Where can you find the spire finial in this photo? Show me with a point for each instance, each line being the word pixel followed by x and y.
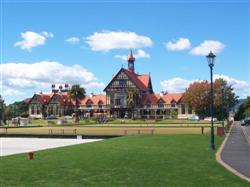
pixel 130 56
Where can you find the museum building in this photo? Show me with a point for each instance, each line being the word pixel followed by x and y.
pixel 128 95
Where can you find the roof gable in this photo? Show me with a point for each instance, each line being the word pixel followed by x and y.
pixel 156 98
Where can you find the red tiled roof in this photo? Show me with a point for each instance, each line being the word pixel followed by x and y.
pixel 144 79
pixel 43 98
pixel 95 99
pixel 140 80
pixel 155 98
pixel 27 101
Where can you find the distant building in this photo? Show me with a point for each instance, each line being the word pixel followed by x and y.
pixel 127 95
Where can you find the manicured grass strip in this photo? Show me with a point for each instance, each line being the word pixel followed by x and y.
pixel 105 130
pixel 144 160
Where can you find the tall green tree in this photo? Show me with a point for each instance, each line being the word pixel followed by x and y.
pixel 132 99
pixel 2 109
pixel 225 98
pixel 76 93
pixel 244 110
pixel 198 97
pixel 18 108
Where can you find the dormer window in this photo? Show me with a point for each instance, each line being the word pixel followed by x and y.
pixel 89 104
pixel 160 104
pixel 173 104
pixel 100 103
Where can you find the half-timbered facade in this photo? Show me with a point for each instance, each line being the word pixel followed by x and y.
pixel 128 94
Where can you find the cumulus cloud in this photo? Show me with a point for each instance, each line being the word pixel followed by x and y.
pixel 41 75
pixel 108 40
pixel 206 46
pixel 73 40
pixel 175 84
pixel 179 45
pixel 32 39
pixel 139 54
pixel 241 87
pixel 11 92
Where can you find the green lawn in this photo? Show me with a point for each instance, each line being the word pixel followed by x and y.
pixel 144 160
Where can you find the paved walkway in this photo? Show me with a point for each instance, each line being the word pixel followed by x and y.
pixel 10 146
pixel 236 152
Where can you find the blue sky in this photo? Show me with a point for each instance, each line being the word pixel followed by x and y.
pixel 84 42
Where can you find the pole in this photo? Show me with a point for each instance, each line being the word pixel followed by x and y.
pixel 211 109
pixel 222 112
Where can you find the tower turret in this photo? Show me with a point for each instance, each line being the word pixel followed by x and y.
pixel 131 61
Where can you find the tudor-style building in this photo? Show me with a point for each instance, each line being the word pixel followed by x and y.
pixel 149 104
pixel 56 104
pixel 128 94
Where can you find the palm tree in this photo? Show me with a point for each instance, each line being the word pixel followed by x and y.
pixel 132 99
pixel 76 93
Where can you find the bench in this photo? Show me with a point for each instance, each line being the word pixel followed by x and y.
pixel 139 131
pixel 62 131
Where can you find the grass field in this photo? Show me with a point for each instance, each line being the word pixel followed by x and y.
pixel 144 160
pixel 105 130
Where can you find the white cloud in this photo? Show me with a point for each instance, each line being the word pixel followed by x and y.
pixel 206 46
pixel 72 40
pixel 139 54
pixel 180 44
pixel 175 84
pixel 241 87
pixel 11 92
pixel 108 40
pixel 32 39
pixel 41 75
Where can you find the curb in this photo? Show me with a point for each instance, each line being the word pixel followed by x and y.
pixel 225 165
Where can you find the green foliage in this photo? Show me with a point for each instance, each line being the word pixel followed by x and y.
pixel 174 114
pixel 19 108
pixel 198 97
pixel 132 99
pixel 76 93
pixel 244 110
pixel 144 160
pixel 2 110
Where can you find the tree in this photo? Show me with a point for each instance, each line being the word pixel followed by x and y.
pixel 197 96
pixel 173 114
pixel 244 110
pixel 18 108
pixel 132 99
pixel 76 93
pixel 2 108
pixel 224 100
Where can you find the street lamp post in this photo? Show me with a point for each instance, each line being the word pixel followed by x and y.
pixel 210 60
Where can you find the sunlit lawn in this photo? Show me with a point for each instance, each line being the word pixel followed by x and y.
pixel 142 160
